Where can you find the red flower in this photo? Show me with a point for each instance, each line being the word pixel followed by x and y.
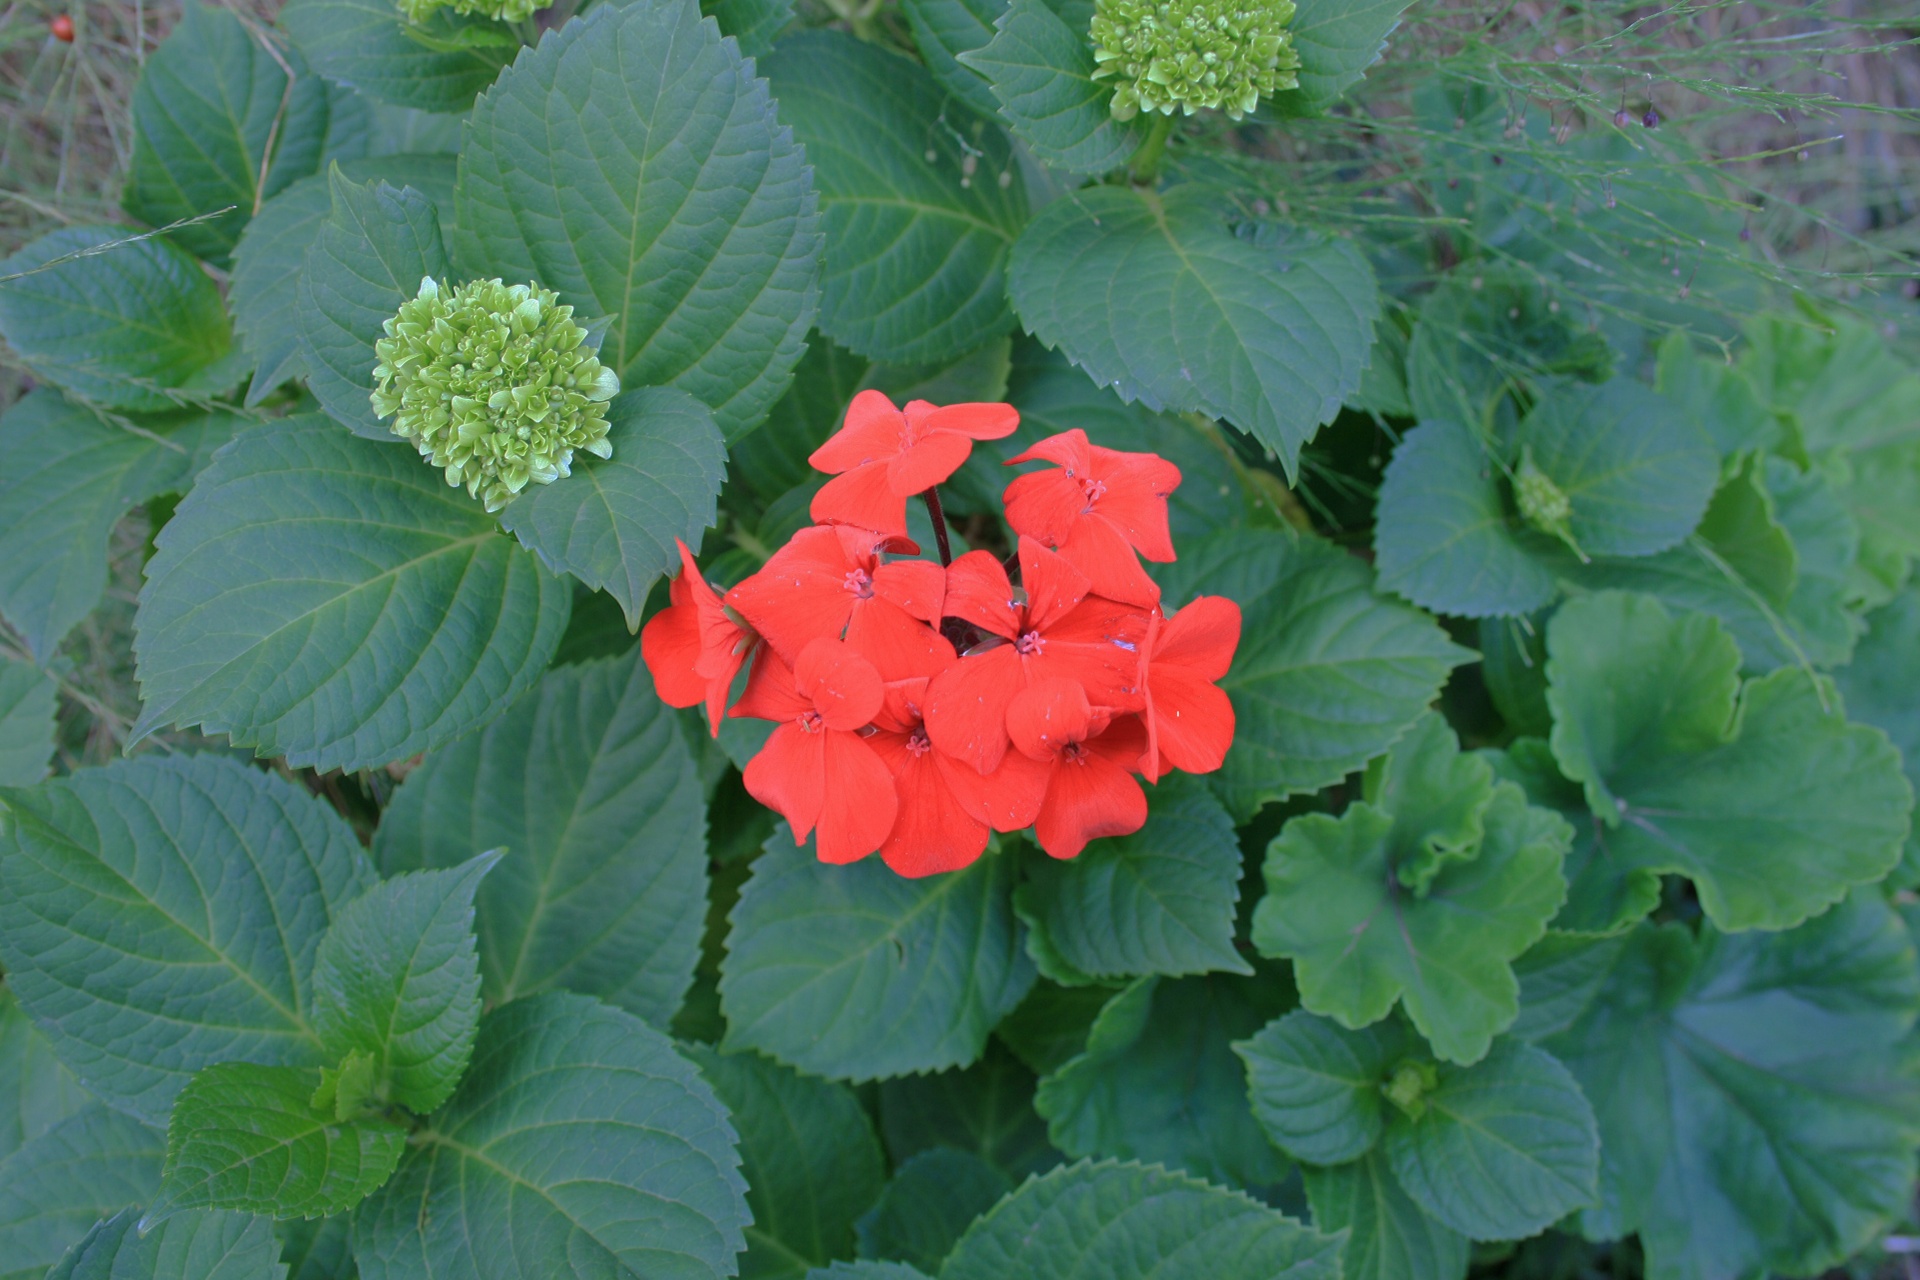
pixel 816 769
pixel 1189 718
pixel 880 457
pixel 946 809
pixel 1090 758
pixel 828 580
pixel 1097 509
pixel 1057 629
pixel 695 646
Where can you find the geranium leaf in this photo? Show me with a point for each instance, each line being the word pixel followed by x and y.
pixel 858 974
pixel 222 880
pixel 1880 690
pixel 413 619
pixel 366 44
pixel 1158 901
pixel 1315 1086
pixel 1787 1043
pixel 945 29
pixel 1559 977
pixel 367 258
pixel 1336 40
pixel 1158 1081
pixel 1389 1237
pixel 1129 1222
pixel 1271 337
pixel 206 108
pixel 27 697
pixel 588 785
pixel 612 524
pixel 928 1205
pixel 1501 1149
pixel 985 1110
pixel 89 1166
pixel 578 1142
pixel 1041 73
pixel 140 326
pixel 809 1155
pixel 196 1245
pixel 1720 398
pixel 634 164
pixel 250 1138
pixel 1767 799
pixel 922 201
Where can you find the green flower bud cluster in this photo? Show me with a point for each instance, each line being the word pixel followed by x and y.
pixel 418 11
pixel 1193 54
pixel 1543 504
pixel 494 383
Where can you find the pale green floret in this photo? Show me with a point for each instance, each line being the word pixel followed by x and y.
pixel 1193 55
pixel 494 383
pixel 418 11
pixel 1543 504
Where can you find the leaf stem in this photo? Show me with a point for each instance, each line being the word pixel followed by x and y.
pixel 939 517
pixel 1146 161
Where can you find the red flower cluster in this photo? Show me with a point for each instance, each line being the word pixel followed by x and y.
pixel 921 706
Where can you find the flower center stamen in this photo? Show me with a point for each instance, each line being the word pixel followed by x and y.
pixel 859 583
pixel 1030 644
pixel 809 721
pixel 918 742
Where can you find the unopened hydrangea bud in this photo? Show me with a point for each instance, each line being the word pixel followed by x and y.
pixel 494 383
pixel 418 11
pixel 1407 1088
pixel 1193 54
pixel 1543 504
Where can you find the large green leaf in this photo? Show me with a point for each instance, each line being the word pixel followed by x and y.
pixel 89 1166
pixel 588 785
pixel 1559 977
pixel 397 980
pixel 210 103
pixel 580 1143
pixel 366 258
pixel 159 915
pixel 1881 690
pixel 754 24
pixel 317 1248
pixel 250 1138
pixel 922 200
pixel 985 1110
pixel 1131 1222
pixel 1603 896
pixel 1501 1149
pixel 1389 1237
pixel 27 697
pixel 1315 1086
pixel 1336 40
pixel 366 44
pixel 196 1245
pixel 1762 794
pixel 1270 336
pixel 36 1092
pixel 1158 901
pixel 411 620
pixel 945 29
pixel 1159 1082
pixel 856 973
pixel 1757 1094
pixel 810 1158
pixel 1041 72
pixel 137 326
pixel 633 163
pixel 613 522
pixel 927 1206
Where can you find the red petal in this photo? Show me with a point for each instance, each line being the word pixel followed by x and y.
pixel 928 462
pixel 967 707
pixel 1069 449
pixel 770 694
pixel 1137 486
pixel 933 831
pixel 839 684
pixel 1053 586
pixel 1201 637
pixel 858 804
pixel 1192 719
pixel 918 586
pixel 1045 505
pixel 670 645
pixel 1098 644
pixel 873 430
pixel 789 776
pixel 898 646
pixel 1087 799
pixel 802 594
pixel 1008 799
pixel 863 497
pixel 1098 548
pixel 1047 715
pixel 1120 742
pixel 979 591
pixel 976 421
pixel 905 706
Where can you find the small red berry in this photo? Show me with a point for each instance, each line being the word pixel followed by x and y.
pixel 62 27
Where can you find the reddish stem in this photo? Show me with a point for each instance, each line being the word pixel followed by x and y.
pixel 932 498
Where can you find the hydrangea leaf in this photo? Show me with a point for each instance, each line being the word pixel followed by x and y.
pixel 1271 337
pixel 1763 795
pixel 411 622
pixel 809 1155
pixel 863 1269
pixel 1697 1054
pixel 209 104
pixel 89 1166
pixel 1485 328
pixel 945 29
pixel 1158 901
pixel 317 1248
pixel 928 1204
pixel 1041 73
pixel 580 1141
pixel 985 1110
pixel 1360 941
pixel 365 44
pixel 588 785
pixel 1336 40
pixel 771 459
pixel 1315 1086
pixel 223 879
pixel 753 24
pixel 613 522
pixel 1880 690
pixel 633 163
pixel 27 697
pixel 1501 1149
pixel 1130 1222
pixel 141 327
pixel 36 1092
pixel 1389 1237
pixel 1159 1082
pixel 1559 977
pixel 367 258
pixel 250 1138
pixel 397 978
pixel 196 1245
pixel 858 974
pixel 916 259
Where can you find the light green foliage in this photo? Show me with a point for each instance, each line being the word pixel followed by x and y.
pixel 1043 76
pixel 366 43
pixel 420 11
pixel 1193 55
pixel 89 1166
pixel 1389 1237
pixel 196 1245
pixel 927 1205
